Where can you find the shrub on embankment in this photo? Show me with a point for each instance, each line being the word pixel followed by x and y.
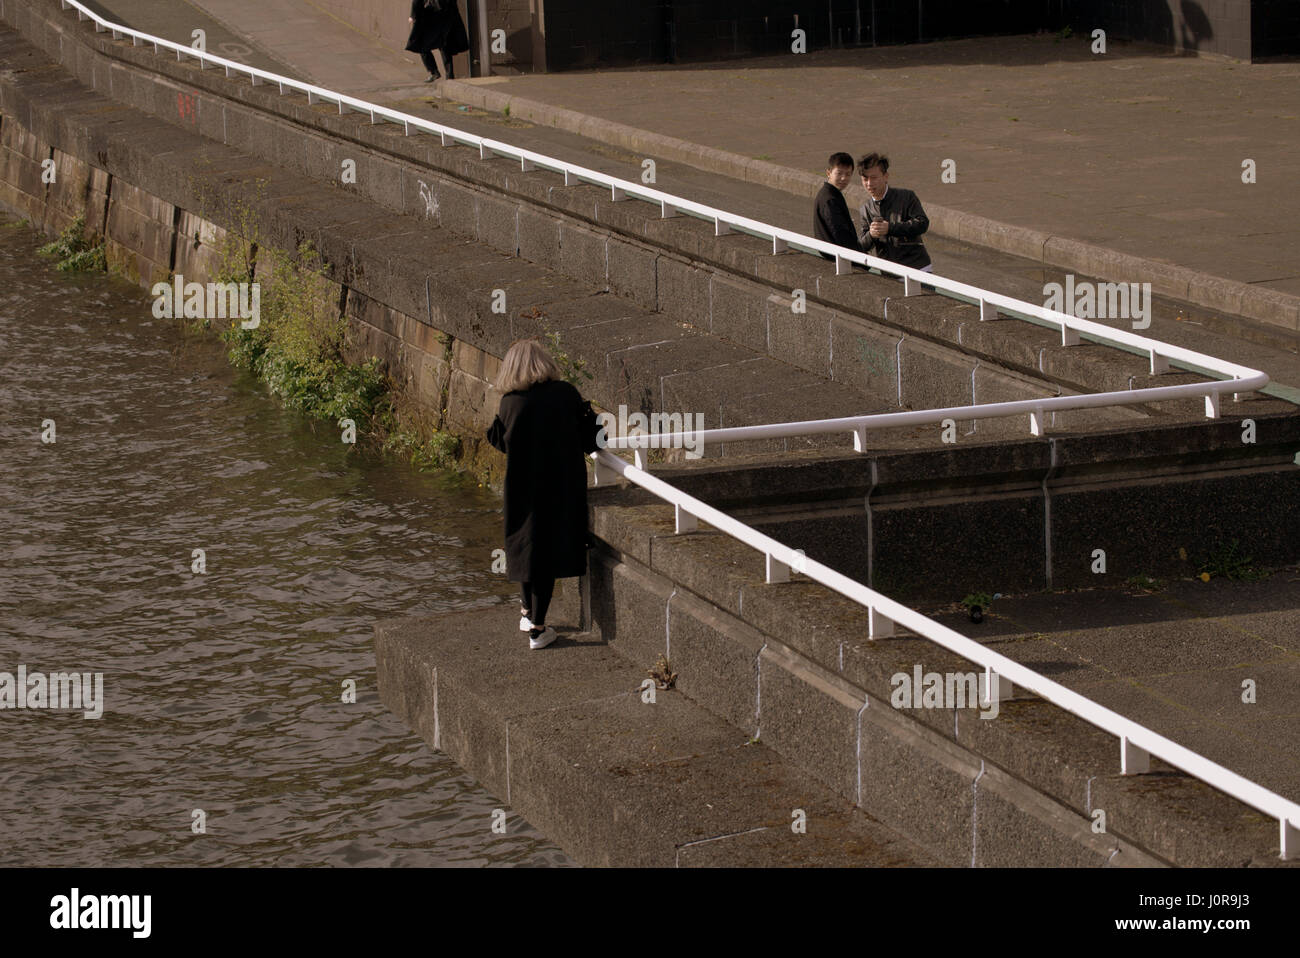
pixel 297 348
pixel 74 249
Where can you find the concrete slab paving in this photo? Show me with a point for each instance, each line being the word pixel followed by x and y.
pixel 614 778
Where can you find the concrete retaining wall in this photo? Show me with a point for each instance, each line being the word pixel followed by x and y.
pixel 148 239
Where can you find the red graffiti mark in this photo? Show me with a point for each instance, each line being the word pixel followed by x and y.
pixel 187 107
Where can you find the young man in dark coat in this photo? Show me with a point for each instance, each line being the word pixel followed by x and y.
pixel 543 426
pixel 892 217
pixel 831 219
pixel 436 25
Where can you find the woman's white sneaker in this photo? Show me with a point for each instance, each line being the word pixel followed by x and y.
pixel 525 625
pixel 540 640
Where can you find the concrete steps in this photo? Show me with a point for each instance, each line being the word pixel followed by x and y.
pixel 791 664
pixel 565 737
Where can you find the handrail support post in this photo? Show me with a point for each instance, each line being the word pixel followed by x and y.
pixel 879 626
pixel 995 688
pixel 684 521
pixel 604 475
pixel 777 571
pixel 1133 760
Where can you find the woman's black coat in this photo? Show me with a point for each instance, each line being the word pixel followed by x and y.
pixel 544 430
pixel 437 29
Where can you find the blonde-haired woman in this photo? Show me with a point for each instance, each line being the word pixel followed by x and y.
pixel 543 426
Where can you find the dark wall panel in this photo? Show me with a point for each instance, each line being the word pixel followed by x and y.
pixel 1275 28
pixel 593 33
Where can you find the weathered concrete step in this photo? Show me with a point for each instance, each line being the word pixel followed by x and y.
pixel 792 662
pixel 565 735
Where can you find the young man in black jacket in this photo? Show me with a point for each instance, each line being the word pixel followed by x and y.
pixel 892 217
pixel 831 219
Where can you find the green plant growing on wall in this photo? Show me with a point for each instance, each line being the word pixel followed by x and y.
pixel 441 450
pixel 1144 583
pixel 977 603
pixel 1226 560
pixel 74 250
pixel 297 349
pixel 573 370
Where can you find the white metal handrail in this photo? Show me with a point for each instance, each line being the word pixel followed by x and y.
pixel 1137 743
pixel 858 426
pixel 1238 379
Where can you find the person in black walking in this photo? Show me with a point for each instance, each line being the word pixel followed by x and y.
pixel 544 426
pixel 436 25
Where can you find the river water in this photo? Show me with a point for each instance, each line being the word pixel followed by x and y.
pixel 224 739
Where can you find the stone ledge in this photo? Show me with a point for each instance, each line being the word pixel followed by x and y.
pixel 615 781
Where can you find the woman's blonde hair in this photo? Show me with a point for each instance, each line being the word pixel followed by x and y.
pixel 525 364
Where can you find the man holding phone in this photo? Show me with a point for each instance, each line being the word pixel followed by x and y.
pixel 892 217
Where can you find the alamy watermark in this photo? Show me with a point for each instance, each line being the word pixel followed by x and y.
pixel 179 299
pixel 77 911
pixel 682 427
pixel 946 690
pixel 1087 300
pixel 58 690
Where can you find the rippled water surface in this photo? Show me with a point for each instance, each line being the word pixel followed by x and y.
pixel 223 690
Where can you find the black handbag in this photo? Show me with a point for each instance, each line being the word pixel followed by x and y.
pixel 589 427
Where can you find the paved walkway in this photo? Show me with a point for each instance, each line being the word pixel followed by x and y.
pixel 1137 151
pixel 177 21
